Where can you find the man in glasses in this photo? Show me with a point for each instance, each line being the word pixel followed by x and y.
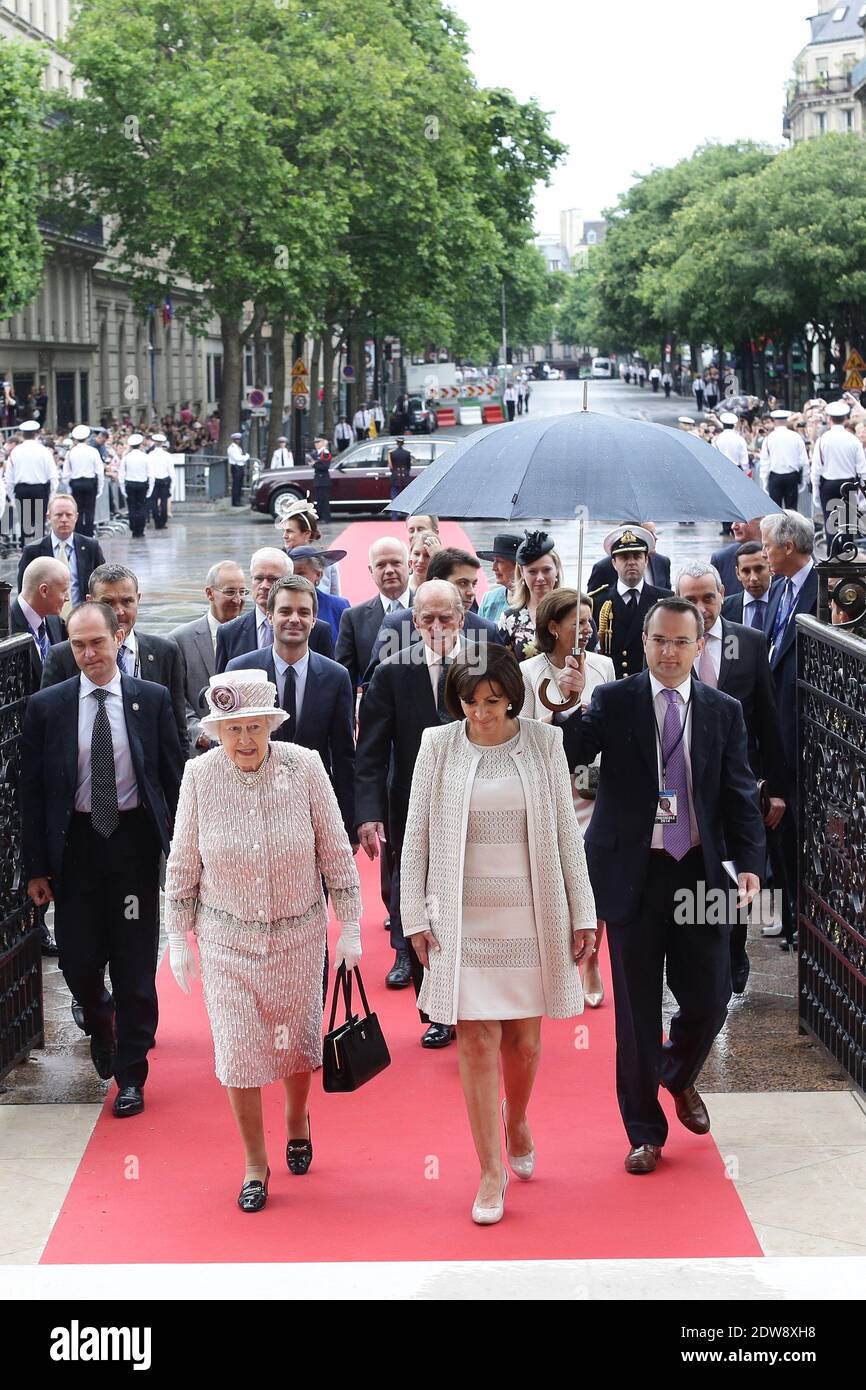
pixel 226 591
pixel 252 630
pixel 676 802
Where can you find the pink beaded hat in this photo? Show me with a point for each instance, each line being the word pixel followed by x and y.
pixel 241 695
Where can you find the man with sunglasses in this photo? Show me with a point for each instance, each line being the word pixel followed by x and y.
pixel 226 592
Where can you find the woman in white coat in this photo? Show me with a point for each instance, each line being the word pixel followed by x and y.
pixel 496 899
pixel 558 635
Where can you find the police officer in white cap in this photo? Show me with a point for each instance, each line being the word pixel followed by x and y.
pixel 731 443
pixel 136 483
pixel 837 457
pixel 31 477
pixel 160 468
pixel 84 475
pixel 237 463
pixel 784 462
pixel 282 457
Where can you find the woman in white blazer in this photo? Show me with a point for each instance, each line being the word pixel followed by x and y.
pixel 496 899
pixel 557 635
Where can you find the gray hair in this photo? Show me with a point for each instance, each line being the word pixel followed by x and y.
pixel 42 570
pixel 110 574
pixel 696 569
pixel 214 573
pixel 277 556
pixel 792 526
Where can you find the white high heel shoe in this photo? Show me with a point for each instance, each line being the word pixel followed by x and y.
pixel 488 1216
pixel 523 1166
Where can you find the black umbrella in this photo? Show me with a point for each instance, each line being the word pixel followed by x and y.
pixel 604 467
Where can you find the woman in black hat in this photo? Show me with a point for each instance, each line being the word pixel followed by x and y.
pixel 503 557
pixel 539 572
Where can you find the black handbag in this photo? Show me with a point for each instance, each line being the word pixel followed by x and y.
pixel 356 1051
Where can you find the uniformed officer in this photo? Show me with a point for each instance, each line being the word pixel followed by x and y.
pixel 84 473
pixel 362 420
pixel 31 477
pixel 322 458
pixel 237 463
pixel 687 423
pixel 343 435
pixel 837 457
pixel 282 457
pixel 731 443
pixel 160 467
pixel 136 483
pixel 784 462
pixel 619 609
pixel 400 463
pixel 378 415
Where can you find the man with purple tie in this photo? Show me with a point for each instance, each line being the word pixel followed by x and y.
pixel 676 801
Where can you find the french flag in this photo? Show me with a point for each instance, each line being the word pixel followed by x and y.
pixel 167 311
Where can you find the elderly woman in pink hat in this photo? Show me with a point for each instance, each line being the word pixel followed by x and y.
pixel 257 829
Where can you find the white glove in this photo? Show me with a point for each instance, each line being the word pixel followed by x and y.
pixel 348 950
pixel 181 958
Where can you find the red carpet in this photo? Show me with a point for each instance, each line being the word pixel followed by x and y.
pixel 394 1172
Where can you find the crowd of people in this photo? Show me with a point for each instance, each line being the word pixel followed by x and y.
pixel 531 771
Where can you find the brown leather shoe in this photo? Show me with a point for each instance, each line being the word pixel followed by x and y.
pixel 691 1111
pixel 643 1158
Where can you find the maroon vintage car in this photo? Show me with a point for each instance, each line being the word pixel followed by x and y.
pixel 360 476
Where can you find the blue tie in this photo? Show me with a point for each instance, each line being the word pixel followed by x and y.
pixel 676 838
pixel 42 641
pixel 783 612
pixel 757 614
pixel 121 659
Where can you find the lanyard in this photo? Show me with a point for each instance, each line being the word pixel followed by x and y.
pixel 685 721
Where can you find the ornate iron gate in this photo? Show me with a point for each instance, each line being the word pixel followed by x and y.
pixel 21 1017
pixel 831 684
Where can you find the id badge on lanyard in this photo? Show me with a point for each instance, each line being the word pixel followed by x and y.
pixel 666 807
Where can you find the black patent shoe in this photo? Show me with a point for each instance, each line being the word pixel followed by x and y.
pixel 438 1035
pixel 299 1153
pixel 78 1015
pixel 103 1054
pixel 129 1101
pixel 254 1194
pixel 740 968
pixel 400 974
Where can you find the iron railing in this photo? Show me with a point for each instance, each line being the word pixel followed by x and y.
pixel 831 695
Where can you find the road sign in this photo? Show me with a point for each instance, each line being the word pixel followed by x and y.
pixel 854 381
pixel 301 401
pixel 299 369
pixel 299 386
pixel 348 372
pixel 855 363
pixel 257 399
pixel 258 413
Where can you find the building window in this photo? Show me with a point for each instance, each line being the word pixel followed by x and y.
pixel 849 119
pixel 553 265
pixel 839 13
pixel 821 122
pixel 591 238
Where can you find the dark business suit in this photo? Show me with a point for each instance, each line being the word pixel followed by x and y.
pixel 725 561
pixel 55 630
pixel 159 660
pixel 625 649
pixel 193 641
pixel 106 890
pixel 241 636
pixel 783 665
pixel 398 629
pixel 359 628
pixel 326 723
pixel 635 888
pixel 734 606
pixel 603 573
pixel 88 556
pixel 396 709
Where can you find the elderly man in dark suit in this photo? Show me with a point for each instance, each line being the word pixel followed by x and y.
pixel 359 625
pixel 196 642
pixel 140 655
pixel 751 605
pixel 736 659
pixel 789 544
pixel 658 570
pixel 405 696
pixel 80 554
pixel 315 691
pixel 658 870
pixel 36 611
pixel 252 631
pixel 725 559
pixel 101 770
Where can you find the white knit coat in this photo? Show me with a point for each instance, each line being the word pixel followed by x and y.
pixel 431 862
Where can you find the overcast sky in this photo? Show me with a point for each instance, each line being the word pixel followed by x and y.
pixel 632 84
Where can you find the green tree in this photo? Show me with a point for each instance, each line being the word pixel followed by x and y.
pixel 21 189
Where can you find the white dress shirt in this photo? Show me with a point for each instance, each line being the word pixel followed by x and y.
pixel 660 706
pixel 282 458
pixel 623 589
pixel 733 446
pixel 160 464
pixel 213 627
pixel 300 668
pixel 837 455
pixel 434 665
pixel 236 456
pixel 403 601
pixel 131 655
pixel 135 468
pixel 713 639
pixel 124 772
pixel 31 463
pixel 82 464
pixel 783 452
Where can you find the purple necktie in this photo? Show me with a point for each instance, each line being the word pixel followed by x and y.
pixel 677 838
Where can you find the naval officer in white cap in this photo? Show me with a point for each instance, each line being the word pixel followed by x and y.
pixel 731 443
pixel 837 457
pixel 84 475
pixel 137 484
pixel 160 468
pixel 784 462
pixel 31 478
pixel 237 462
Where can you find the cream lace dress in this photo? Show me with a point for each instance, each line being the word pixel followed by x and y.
pixel 500 963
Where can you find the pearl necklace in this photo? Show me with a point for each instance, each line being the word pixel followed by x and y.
pixel 251 779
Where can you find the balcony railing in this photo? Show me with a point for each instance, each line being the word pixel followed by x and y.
pixel 818 87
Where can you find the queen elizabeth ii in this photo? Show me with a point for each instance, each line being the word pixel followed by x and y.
pixel 257 828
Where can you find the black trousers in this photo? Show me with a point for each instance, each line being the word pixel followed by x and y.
pixel 510 407
pixel 699 400
pixel 323 501
pixel 32 499
pixel 784 489
pixel 159 502
pixel 831 499
pixel 136 502
pixel 238 470
pixel 84 492
pixel 107 913
pixel 696 957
